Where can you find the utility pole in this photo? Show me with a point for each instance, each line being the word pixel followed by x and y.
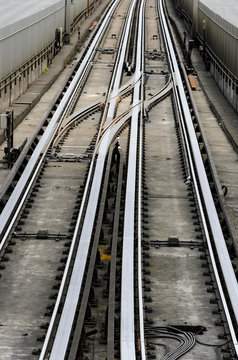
pixel 204 39
pixel 67 21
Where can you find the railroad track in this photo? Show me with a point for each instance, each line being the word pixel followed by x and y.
pixel 110 199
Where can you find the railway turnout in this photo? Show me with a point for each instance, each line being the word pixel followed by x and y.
pixel 117 194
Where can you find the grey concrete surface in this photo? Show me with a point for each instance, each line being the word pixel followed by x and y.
pixel 26 282
pixel 30 108
pixel 220 123
pixel 52 210
pixel 218 103
pixel 33 94
pixel 178 291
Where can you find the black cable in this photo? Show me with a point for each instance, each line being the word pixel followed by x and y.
pixel 215 345
pixel 186 340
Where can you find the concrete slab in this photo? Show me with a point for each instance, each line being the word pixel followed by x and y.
pixel 45 89
pixel 220 123
pixel 59 62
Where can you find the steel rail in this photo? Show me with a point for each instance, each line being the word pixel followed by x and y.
pixel 68 313
pixel 79 323
pixel 218 189
pixel 140 186
pixel 64 329
pixel 127 326
pixel 47 117
pixel 60 355
pixel 118 68
pixel 131 53
pixel 66 320
pixel 11 210
pixel 196 162
pixel 162 93
pixel 71 120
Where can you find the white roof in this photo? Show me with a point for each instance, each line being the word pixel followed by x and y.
pixel 224 12
pixel 14 10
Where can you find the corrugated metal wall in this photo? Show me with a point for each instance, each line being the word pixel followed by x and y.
pixel 221 36
pixel 78 6
pixel 23 39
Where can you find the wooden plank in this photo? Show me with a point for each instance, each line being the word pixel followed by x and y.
pixel 192 82
pixel 93 26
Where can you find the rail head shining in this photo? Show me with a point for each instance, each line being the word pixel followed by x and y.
pixel 14 204
pixel 127 326
pixel 195 158
pixel 64 329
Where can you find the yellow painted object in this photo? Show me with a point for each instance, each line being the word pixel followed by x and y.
pixel 192 82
